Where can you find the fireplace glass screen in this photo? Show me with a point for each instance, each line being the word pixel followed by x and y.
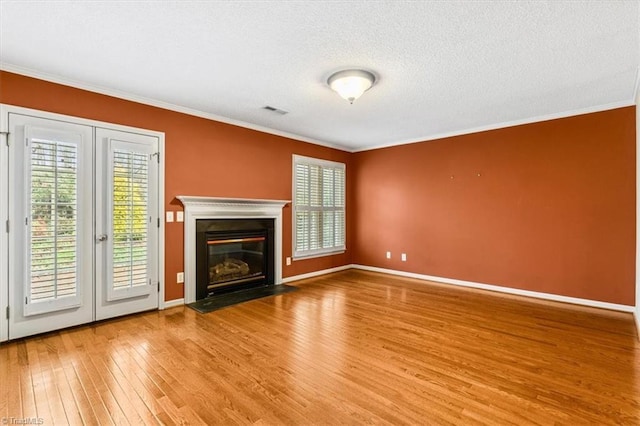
pixel 235 260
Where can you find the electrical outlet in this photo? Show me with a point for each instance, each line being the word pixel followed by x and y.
pixel 288 261
pixel 179 216
pixel 169 216
pixel 180 277
pixel 388 255
pixel 404 257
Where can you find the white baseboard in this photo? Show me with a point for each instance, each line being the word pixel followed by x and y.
pixel 316 273
pixel 515 291
pixel 173 303
pixel 636 315
pixel 470 284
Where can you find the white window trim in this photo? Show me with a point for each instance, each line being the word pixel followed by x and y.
pixel 309 254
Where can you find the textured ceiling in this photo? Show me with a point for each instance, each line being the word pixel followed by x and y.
pixel 443 67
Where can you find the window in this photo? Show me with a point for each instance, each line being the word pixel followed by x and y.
pixel 130 189
pixel 130 199
pixel 52 222
pixel 53 219
pixel 318 207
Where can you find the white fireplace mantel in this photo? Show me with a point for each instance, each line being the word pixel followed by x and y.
pixel 226 208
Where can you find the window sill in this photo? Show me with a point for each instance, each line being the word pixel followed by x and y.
pixel 315 255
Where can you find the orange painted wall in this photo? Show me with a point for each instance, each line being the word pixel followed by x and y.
pixel 553 209
pixel 547 207
pixel 203 157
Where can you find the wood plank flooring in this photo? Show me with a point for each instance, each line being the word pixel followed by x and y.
pixel 349 348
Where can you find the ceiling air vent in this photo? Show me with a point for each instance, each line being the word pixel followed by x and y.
pixel 276 110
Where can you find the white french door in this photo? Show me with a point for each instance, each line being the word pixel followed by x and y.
pixel 126 223
pixel 50 217
pixel 83 216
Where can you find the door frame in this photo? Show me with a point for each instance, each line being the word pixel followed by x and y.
pixel 4 218
pixel 5 179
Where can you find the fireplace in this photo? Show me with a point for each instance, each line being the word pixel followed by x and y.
pixel 215 208
pixel 233 254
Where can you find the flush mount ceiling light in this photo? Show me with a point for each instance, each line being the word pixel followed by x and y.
pixel 351 84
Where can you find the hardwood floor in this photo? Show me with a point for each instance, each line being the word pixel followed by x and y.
pixel 352 347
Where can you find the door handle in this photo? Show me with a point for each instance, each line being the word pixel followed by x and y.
pixel 102 237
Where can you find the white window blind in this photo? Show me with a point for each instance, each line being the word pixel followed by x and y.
pixel 319 206
pixel 52 224
pixel 53 220
pixel 130 218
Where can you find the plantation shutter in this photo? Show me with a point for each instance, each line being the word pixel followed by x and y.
pixel 53 256
pixel 319 207
pixel 129 205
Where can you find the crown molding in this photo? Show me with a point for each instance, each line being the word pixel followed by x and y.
pixel 161 104
pixel 214 117
pixel 504 124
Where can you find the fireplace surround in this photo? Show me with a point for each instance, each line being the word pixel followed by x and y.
pixel 213 208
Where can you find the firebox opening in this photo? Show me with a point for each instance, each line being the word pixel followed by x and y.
pixel 233 254
pixel 236 260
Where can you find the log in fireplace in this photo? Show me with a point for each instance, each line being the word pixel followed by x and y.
pixel 233 254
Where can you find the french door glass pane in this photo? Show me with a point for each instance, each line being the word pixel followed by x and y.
pixel 53 212
pixel 130 218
